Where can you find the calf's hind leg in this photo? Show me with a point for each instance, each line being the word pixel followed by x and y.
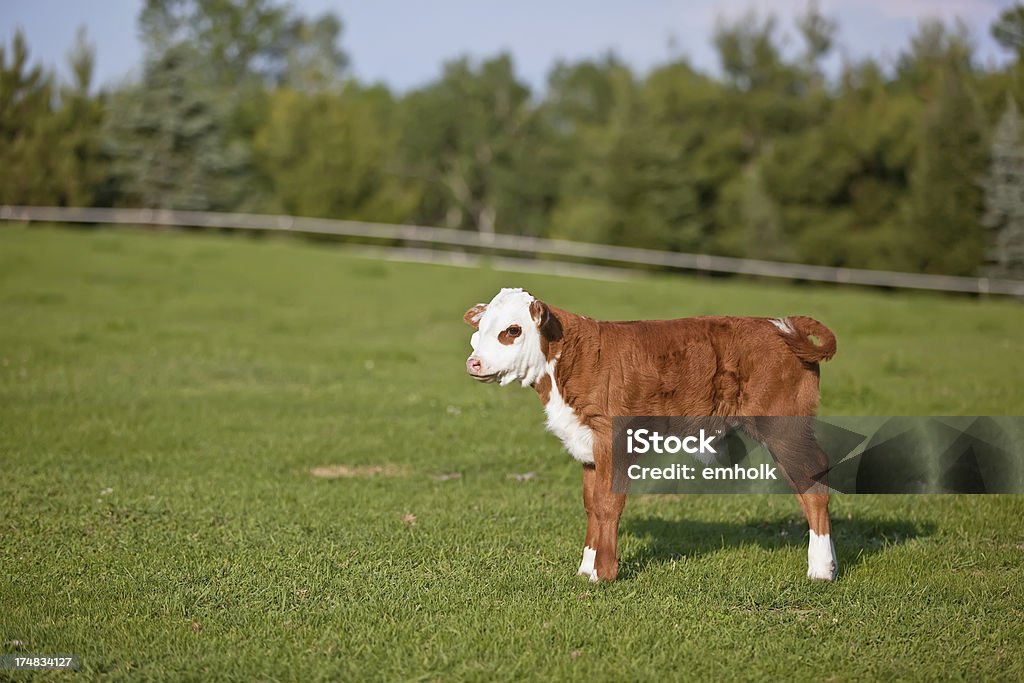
pixel 821 552
pixel 803 463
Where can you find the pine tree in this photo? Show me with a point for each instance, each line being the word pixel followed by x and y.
pixel 168 138
pixel 82 168
pixel 1004 197
pixel 944 232
pixel 26 115
pixel 49 153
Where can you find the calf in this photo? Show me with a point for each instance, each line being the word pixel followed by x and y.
pixel 586 372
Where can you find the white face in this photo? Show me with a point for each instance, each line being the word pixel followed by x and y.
pixel 507 343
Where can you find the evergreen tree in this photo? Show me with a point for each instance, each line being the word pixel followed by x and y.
pixel 944 232
pixel 49 148
pixel 168 138
pixel 26 117
pixel 1008 29
pixel 79 122
pixel 1004 196
pixel 818 33
pixel 249 39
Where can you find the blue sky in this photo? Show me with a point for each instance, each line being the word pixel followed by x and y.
pixel 404 42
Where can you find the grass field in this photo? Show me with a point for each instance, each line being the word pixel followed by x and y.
pixel 164 399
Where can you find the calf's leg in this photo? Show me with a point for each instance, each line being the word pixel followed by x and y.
pixel 803 463
pixel 608 508
pixel 590 541
pixel 604 508
pixel 821 552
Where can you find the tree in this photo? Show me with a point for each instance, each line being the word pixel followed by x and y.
pixel 934 49
pixel 79 120
pixel 26 95
pixel 944 232
pixel 182 137
pixel 767 93
pixel 237 40
pixel 169 141
pixel 1004 196
pixel 587 106
pixel 49 149
pixel 468 138
pixel 840 184
pixel 748 51
pixel 1008 29
pixel 335 155
pixel 818 33
pixel 675 151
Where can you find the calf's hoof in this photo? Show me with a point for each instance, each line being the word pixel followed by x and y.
pixel 587 568
pixel 821 558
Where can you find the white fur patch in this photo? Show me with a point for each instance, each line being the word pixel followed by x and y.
pixel 563 423
pixel 587 565
pixel 783 324
pixel 821 558
pixel 521 361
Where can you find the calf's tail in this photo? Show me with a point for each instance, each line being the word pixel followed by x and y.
pixel 797 331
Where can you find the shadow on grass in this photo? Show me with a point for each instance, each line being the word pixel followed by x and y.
pixel 665 540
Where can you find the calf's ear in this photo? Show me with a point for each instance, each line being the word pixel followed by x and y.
pixel 546 321
pixel 472 316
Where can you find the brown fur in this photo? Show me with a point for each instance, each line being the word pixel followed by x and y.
pixel 801 344
pixel 690 366
pixel 543 388
pixel 724 366
pixel 472 316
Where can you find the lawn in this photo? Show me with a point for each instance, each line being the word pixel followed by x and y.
pixel 166 400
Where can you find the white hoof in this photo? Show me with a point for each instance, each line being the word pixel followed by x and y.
pixel 821 558
pixel 587 565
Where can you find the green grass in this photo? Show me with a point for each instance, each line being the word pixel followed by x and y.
pixel 163 398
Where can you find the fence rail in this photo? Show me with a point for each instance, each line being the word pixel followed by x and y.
pixel 534 246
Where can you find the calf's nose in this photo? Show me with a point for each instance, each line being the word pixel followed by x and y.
pixel 473 365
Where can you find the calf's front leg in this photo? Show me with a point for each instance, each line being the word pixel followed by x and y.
pixel 590 541
pixel 604 508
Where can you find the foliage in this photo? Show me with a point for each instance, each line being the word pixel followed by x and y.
pixel 49 133
pixel 248 105
pixel 1004 196
pixel 943 208
pixel 333 154
pixel 469 137
pixel 168 138
pixel 242 39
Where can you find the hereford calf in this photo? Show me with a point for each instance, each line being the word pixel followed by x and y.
pixel 586 372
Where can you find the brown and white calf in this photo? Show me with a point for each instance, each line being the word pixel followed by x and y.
pixel 586 372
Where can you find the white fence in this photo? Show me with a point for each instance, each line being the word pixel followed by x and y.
pixel 523 245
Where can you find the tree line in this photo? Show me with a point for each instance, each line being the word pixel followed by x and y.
pixel 916 165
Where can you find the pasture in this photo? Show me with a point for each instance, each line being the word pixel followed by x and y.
pixel 231 458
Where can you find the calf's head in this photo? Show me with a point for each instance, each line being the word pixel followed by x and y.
pixel 511 339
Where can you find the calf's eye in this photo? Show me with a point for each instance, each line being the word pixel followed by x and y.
pixel 514 331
